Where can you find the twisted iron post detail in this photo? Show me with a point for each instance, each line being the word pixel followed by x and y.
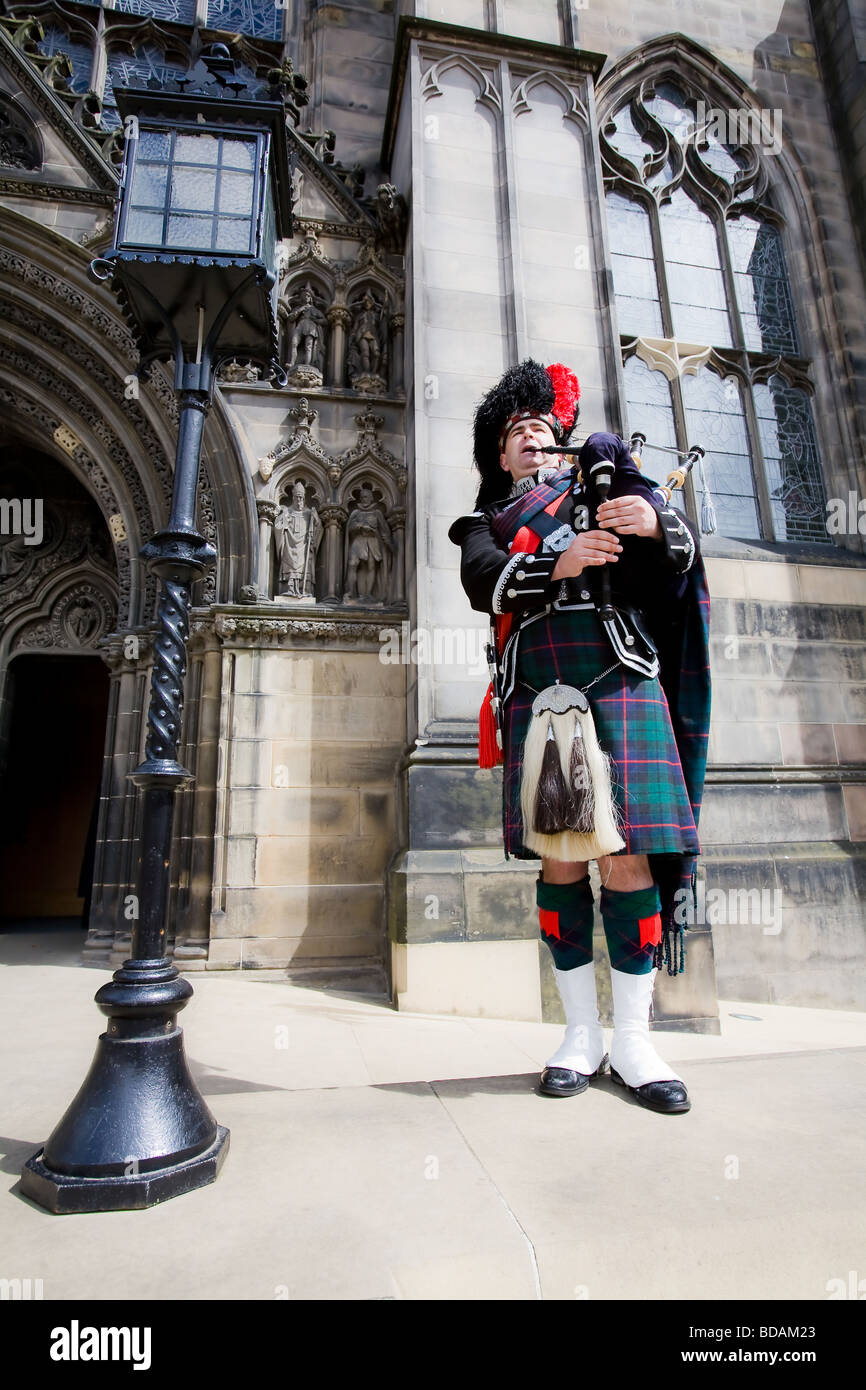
pixel 165 712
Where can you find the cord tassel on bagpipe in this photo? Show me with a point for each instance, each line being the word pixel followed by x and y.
pixel 489 736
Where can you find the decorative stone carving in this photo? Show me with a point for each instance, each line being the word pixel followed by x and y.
pixel 301 439
pixel 19 138
pixel 298 530
pixel 306 324
pixel 82 620
pixel 80 616
pixel 235 371
pixel 671 356
pixel 368 550
pixel 256 631
pixel 71 534
pixel 389 209
pixel 368 346
pixel 368 449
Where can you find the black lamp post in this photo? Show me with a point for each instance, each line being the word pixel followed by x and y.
pixel 205 195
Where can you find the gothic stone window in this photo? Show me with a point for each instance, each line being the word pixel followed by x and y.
pixel 73 33
pixel 706 314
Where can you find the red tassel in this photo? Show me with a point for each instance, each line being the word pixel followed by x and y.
pixel 489 752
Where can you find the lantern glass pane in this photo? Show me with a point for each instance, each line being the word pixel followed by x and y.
pixel 144 228
pixel 267 252
pixel 238 154
pixel 233 234
pixel 154 144
pixel 194 189
pixel 184 230
pixel 148 189
pixel 196 149
pixel 236 193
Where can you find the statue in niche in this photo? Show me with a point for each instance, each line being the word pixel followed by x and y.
pixel 368 546
pixel 307 342
pixel 368 345
pixel 298 530
pixel 82 619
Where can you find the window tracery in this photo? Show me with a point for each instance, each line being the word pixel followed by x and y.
pixel 700 281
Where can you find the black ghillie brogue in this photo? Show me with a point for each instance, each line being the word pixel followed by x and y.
pixel 667 1097
pixel 562 1081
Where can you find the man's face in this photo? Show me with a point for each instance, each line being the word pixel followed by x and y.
pixel 519 457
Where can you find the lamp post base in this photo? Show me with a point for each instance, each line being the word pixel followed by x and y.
pixel 62 1194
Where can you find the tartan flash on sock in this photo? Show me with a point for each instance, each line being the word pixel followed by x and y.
pixel 633 928
pixel 565 919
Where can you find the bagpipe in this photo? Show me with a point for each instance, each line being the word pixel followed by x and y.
pixel 566 798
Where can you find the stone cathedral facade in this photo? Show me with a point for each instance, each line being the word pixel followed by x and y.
pixel 670 199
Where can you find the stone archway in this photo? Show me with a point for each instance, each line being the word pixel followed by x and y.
pixel 72 401
pixel 58 599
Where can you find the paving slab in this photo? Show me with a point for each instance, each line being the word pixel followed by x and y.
pixel 382 1155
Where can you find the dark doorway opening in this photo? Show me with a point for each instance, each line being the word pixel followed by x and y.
pixel 49 785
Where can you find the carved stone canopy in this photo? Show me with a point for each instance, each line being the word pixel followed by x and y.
pixel 20 146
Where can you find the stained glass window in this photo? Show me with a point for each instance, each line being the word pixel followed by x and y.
pixel 623 134
pixel 262 18
pixel 762 286
pixel 718 158
pixel 695 282
pixel 634 268
pixel 691 267
pixel 57 40
pixel 178 11
pixel 791 455
pixel 650 410
pixel 123 71
pixel 715 419
pixel 670 108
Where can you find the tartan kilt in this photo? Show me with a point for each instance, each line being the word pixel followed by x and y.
pixel 633 724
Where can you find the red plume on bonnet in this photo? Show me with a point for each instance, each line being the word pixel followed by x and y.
pixel 566 393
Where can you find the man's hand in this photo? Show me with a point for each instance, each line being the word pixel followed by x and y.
pixel 587 548
pixel 630 516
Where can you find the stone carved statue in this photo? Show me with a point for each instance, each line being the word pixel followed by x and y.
pixel 235 371
pixel 368 548
pixel 307 342
pixel 82 619
pixel 368 345
pixel 389 209
pixel 298 530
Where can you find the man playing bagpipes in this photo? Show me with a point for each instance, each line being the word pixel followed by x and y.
pixel 598 707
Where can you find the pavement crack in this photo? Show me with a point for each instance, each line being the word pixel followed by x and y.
pixel 536 1277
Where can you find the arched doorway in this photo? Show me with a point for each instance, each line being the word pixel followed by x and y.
pixel 58 598
pixel 49 786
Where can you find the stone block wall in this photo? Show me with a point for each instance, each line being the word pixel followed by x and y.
pixel 784 822
pixel 310 738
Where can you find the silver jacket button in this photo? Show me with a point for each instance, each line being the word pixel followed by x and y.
pixel 512 593
pixel 584 594
pixel 520 575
